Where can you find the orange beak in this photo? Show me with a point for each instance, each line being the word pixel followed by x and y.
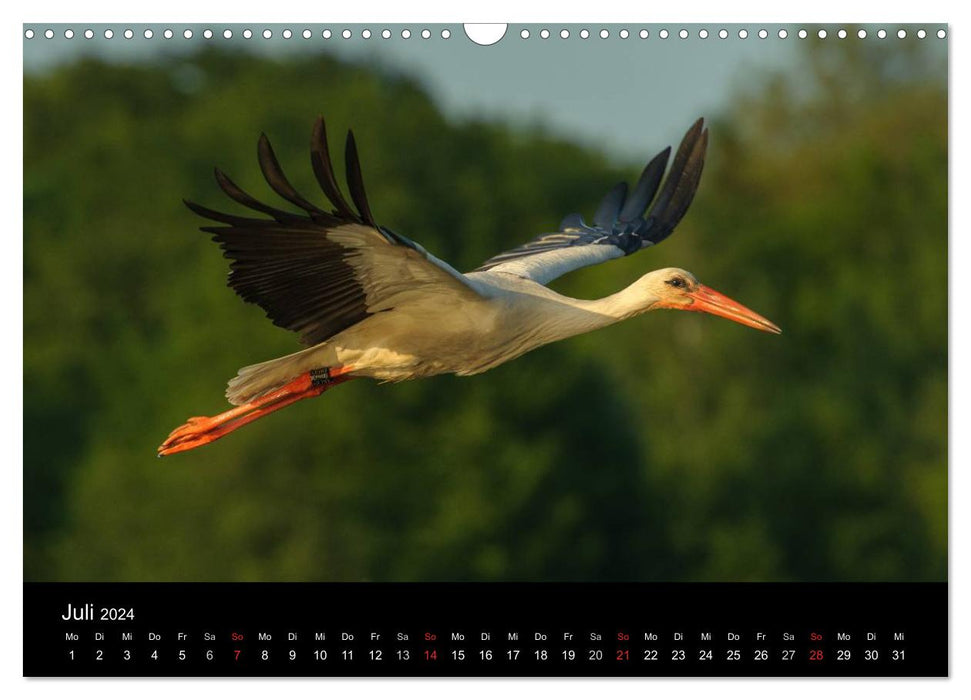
pixel 708 300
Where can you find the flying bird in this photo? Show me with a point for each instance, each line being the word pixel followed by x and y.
pixel 369 302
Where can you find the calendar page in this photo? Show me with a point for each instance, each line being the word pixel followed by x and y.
pixel 485 350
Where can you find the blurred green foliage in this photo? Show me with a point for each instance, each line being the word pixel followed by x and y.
pixel 670 447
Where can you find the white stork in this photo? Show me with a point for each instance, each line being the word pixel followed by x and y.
pixel 371 303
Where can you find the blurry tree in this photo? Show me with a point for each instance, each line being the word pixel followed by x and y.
pixel 672 447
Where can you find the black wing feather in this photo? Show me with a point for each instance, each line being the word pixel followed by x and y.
pixel 610 206
pixel 355 182
pixel 646 187
pixel 237 194
pixel 274 176
pixel 324 172
pixel 289 265
pixel 687 185
pixel 685 158
pixel 230 219
pixel 620 220
pixel 302 281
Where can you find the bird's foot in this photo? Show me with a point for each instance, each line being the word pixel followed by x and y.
pixel 202 430
pixel 187 439
pixel 193 424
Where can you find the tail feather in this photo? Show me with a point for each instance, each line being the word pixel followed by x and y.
pixel 254 381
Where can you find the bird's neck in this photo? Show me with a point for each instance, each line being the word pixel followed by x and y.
pixel 575 316
pixel 628 302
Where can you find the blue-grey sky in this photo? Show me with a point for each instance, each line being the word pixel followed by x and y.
pixel 623 95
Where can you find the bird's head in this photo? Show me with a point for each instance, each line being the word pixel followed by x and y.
pixel 674 288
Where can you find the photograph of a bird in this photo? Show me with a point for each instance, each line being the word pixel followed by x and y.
pixel 371 303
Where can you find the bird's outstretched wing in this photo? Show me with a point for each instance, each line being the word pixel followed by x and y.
pixel 319 272
pixel 620 226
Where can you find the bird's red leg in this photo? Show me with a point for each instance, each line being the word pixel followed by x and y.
pixel 199 424
pixel 202 430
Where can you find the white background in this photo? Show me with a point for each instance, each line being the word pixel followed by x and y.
pixel 700 11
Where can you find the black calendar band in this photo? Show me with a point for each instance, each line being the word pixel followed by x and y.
pixel 472 629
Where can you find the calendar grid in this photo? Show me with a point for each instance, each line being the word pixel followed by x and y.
pixel 486 629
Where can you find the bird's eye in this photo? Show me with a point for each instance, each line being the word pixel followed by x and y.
pixel 677 282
